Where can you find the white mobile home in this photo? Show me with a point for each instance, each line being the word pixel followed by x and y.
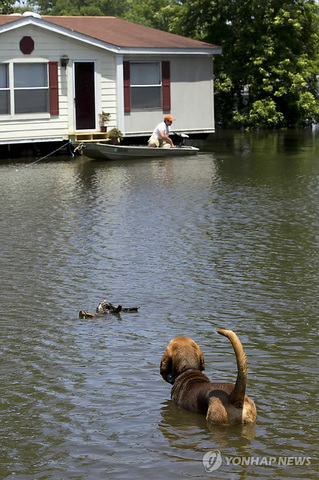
pixel 57 74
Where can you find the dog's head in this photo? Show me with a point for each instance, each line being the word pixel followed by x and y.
pixel 181 354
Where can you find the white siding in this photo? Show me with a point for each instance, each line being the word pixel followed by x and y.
pixel 192 93
pixel 50 47
pixel 191 89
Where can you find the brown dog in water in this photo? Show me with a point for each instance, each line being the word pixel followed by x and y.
pixel 222 403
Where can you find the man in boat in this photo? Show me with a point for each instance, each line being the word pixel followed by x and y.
pixel 160 136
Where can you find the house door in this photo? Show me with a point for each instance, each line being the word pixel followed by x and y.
pixel 84 95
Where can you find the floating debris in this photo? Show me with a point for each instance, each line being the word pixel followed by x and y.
pixel 105 308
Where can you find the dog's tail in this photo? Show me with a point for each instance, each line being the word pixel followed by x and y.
pixel 238 394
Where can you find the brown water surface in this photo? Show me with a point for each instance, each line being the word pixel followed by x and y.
pixel 225 239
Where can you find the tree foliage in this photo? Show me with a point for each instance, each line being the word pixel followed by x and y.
pixel 6 7
pixel 148 12
pixel 81 7
pixel 268 73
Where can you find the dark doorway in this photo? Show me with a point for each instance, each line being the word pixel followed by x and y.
pixel 84 95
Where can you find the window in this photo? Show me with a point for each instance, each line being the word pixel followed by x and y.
pixel 4 90
pixel 31 88
pixel 145 85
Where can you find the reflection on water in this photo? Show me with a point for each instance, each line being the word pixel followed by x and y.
pixel 225 239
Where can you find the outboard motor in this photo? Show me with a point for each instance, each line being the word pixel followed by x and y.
pixel 182 138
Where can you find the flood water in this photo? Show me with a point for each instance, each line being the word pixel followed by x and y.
pixel 228 238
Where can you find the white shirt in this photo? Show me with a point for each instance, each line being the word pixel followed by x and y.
pixel 161 127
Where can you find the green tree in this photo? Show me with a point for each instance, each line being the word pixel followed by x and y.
pixel 268 73
pixel 6 7
pixel 81 7
pixel 148 12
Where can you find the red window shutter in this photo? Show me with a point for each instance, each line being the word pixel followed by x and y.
pixel 166 86
pixel 127 87
pixel 54 88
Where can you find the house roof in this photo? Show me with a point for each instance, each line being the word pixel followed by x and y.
pixel 117 32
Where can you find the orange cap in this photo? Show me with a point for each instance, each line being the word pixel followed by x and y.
pixel 169 117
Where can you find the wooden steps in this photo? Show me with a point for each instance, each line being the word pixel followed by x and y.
pixel 88 137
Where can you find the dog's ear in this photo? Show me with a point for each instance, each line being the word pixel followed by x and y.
pixel 166 366
pixel 199 355
pixel 201 361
